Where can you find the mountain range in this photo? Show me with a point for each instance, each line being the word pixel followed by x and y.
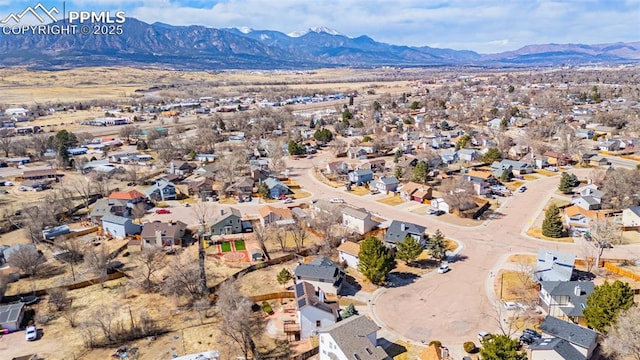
pixel 199 47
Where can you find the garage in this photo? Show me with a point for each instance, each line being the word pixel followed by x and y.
pixel 11 316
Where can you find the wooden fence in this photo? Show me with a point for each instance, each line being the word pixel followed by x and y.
pixel 273 296
pixel 621 271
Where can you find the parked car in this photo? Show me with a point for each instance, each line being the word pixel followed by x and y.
pixel 375 191
pixel 443 269
pixel 31 333
pixel 510 305
pixel 4 191
pixel 522 189
pixel 337 201
pixel 532 333
pixel 187 205
pixel 527 339
pixel 483 335
pixel 287 201
pixel 163 211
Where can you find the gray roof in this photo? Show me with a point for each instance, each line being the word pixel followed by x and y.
pixel 635 210
pixel 591 200
pixel 567 288
pixel 554 266
pixel 158 185
pixel 103 206
pixel 351 336
pixel 114 219
pixel 306 296
pixel 395 232
pixel 225 214
pixel 321 268
pixel 356 213
pixel 561 347
pixel 272 182
pixel 467 151
pixel 362 172
pixel 10 313
pixel 389 180
pixel 570 332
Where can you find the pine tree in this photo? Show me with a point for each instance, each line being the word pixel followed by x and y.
pixel 421 172
pixel 568 182
pixel 408 249
pixel 502 347
pixel 605 302
pixel 552 224
pixel 348 312
pixel 506 175
pixel 436 246
pixel 284 276
pixel 375 260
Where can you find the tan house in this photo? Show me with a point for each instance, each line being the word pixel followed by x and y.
pixel 271 215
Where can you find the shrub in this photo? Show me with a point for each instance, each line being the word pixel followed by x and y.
pixel 267 307
pixel 469 346
pixel 436 343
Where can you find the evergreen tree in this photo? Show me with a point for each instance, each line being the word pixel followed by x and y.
pixel 284 276
pixel 605 302
pixel 463 141
pixel 408 249
pixel 399 173
pixel 506 176
pixel 552 224
pixel 375 260
pixel 436 246
pixel 63 140
pixel 568 182
pixel 420 172
pixel 323 135
pixel 348 312
pixel 295 148
pixel 398 154
pixel 502 347
pixel 263 190
pixel 493 154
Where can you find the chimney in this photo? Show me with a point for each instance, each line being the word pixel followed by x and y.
pixel 221 212
pixel 577 290
pixel 548 258
pixel 403 227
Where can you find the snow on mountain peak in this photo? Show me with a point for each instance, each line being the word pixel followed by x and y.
pixel 245 29
pixel 316 29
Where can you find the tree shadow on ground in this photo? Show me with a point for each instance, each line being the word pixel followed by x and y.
pixel 456 258
pixel 579 275
pixel 424 264
pixel 350 286
pixel 392 349
pixel 396 279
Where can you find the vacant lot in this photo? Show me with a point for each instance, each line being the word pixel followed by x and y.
pixel 391 200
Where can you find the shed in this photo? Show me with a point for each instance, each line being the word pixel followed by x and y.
pixel 11 316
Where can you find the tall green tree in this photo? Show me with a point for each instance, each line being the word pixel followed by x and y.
pixel 64 140
pixel 493 154
pixel 263 190
pixel 568 182
pixel 323 135
pixel 605 302
pixel 408 249
pixel 349 311
pixel 295 148
pixel 436 246
pixel 552 224
pixel 506 175
pixel 414 105
pixel 420 172
pixel 501 347
pixel 464 141
pixel 375 260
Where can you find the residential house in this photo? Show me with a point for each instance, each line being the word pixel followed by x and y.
pixel 449 157
pixel 398 230
pixel 599 161
pixel 227 222
pixel 11 316
pixel 609 145
pixel 322 273
pixel 585 133
pixel 588 202
pixel 107 206
pixel 557 159
pixel 180 167
pixel 130 197
pixel 565 299
pixel 276 188
pixel 312 310
pixel 168 234
pixel 407 161
pixel 271 215
pixel 495 123
pixel 337 168
pixel 563 340
pixel 631 216
pixel 440 204
pixel 207 171
pixel 326 206
pixel 481 180
pixel 352 339
pixel 554 266
pixel 373 165
pixel 386 184
pixel 348 253
pixel 119 226
pixel 205 158
pixel 361 176
pixel 41 174
pixel 468 155
pixel 518 151
pixel 358 220
pixel 579 217
pixel 606 131
pixel 516 167
pixel 162 190
pixel 202 188
pixel 241 188
pixel 412 191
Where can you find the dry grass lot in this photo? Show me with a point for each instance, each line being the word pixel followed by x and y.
pixel 391 200
pixel 545 172
pixel 359 190
pixel 509 286
pixel 524 259
pixel 536 232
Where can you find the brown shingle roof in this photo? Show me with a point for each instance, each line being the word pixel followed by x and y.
pixel 349 247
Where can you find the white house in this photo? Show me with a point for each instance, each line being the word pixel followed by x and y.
pixel 11 316
pixel 313 313
pixel 119 226
pixel 355 338
pixel 348 254
pixel 564 341
pixel 631 216
pixel 358 220
pixel 440 204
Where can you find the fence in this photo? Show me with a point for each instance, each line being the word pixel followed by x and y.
pixel 621 271
pixel 307 354
pixel 273 296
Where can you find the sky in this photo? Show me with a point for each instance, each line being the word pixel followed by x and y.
pixel 484 26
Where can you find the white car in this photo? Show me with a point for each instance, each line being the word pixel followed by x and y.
pixel 510 305
pixel 288 201
pixel 443 269
pixel 31 333
pixel 337 201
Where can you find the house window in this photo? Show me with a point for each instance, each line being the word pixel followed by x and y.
pixel 318 323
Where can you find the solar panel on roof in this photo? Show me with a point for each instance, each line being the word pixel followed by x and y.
pixel 299 289
pixel 302 302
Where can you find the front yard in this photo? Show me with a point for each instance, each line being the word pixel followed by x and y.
pixel 391 200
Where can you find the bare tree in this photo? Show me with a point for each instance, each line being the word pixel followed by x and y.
pixel 71 314
pixel 458 193
pixel 97 259
pixel 325 221
pixel 239 322
pixel 28 259
pixel 36 218
pixel 72 252
pixel 6 142
pixel 138 211
pixel 202 306
pixel 183 278
pixel 84 188
pixel 620 188
pixel 280 235
pixel 58 298
pixel 262 235
pixel 40 143
pixel 604 233
pixel 150 260
pixel 299 234
pixel 201 211
pixel 507 323
pixel 623 338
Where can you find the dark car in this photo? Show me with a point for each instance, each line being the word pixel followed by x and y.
pixel 531 333
pixel 526 339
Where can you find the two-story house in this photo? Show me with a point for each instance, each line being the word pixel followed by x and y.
pixel 168 234
pixel 312 310
pixel 358 220
pixel 563 340
pixel 553 266
pixel 276 188
pixel 412 191
pixel 565 299
pixel 228 221
pixel 348 253
pixel 355 338
pixel 361 176
pixel 271 215
pixel 119 226
pixel 322 273
pixel 386 184
pixel 162 190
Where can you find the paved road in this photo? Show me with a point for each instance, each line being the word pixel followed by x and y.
pixel 453 307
